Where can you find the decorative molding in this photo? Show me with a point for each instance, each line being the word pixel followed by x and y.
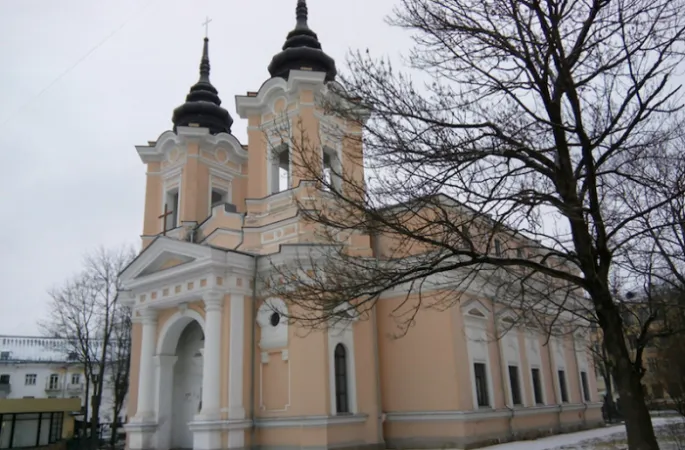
pixel 278 87
pixel 214 425
pixel 467 416
pixel 342 333
pixel 273 337
pixel 175 324
pixel 262 407
pixel 310 421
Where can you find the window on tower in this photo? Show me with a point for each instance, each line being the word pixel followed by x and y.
pixel 280 169
pixel 332 170
pixel 219 197
pixel 172 203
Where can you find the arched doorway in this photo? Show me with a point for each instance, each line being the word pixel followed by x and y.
pixel 186 392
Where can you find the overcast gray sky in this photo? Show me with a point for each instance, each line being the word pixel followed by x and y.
pixel 70 179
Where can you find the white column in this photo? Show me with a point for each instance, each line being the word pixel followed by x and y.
pixel 146 375
pixel 211 364
pixel 163 401
pixel 236 438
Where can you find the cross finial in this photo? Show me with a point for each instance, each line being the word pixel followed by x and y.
pixel 206 24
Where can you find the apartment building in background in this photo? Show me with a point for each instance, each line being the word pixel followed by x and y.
pixel 38 367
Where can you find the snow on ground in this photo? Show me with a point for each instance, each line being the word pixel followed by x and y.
pixel 670 431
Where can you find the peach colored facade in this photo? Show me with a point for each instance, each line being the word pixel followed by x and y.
pixel 213 367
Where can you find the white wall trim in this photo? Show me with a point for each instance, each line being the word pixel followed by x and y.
pixel 172 324
pixel 310 421
pixel 478 352
pixel 466 416
pixel 342 333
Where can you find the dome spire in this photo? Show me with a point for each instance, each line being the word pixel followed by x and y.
pixel 302 50
pixel 203 105
pixel 204 63
pixel 301 15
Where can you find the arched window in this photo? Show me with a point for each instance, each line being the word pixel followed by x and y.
pixel 342 404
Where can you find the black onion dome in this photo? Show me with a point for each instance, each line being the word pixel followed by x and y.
pixel 203 105
pixel 302 49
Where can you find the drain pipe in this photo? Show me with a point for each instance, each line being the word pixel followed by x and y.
pixel 253 430
pixel 501 376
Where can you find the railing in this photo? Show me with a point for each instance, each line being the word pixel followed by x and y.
pixel 75 387
pixel 53 385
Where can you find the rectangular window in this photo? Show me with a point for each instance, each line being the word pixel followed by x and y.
pixel 4 356
pixel 75 378
pixel 537 386
pixel 171 206
pixel 586 386
pixel 498 247
pixel 4 379
pixel 519 253
pixel 515 385
pixel 219 197
pixel 25 430
pixel 481 384
pixel 56 426
pixel 53 381
pixel 562 386
pixel 30 379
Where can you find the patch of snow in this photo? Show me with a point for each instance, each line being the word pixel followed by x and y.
pixel 588 439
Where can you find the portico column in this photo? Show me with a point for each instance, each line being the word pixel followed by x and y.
pixel 146 375
pixel 211 364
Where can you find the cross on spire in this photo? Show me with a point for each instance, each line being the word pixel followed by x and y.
pixel 206 24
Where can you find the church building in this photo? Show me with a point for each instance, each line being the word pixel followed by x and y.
pixel 214 365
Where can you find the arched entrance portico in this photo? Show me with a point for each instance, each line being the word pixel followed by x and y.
pixel 179 375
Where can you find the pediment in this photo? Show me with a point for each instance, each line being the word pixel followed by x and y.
pixel 164 254
pixel 166 260
pixel 475 309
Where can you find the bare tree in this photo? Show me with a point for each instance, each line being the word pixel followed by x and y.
pixel 85 312
pixel 120 364
pixel 526 161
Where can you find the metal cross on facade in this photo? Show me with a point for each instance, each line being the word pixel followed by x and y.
pixel 206 24
pixel 166 213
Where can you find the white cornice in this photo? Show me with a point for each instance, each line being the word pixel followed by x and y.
pixel 169 140
pixel 275 87
pixel 205 260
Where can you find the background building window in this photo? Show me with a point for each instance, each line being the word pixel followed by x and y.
pixel 498 247
pixel 53 381
pixel 30 379
pixel 342 405
pixel 481 384
pixel 515 385
pixel 537 386
pixel 75 378
pixel 562 386
pixel 4 356
pixel 586 387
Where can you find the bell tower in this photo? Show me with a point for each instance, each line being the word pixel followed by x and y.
pixel 289 134
pixel 196 166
